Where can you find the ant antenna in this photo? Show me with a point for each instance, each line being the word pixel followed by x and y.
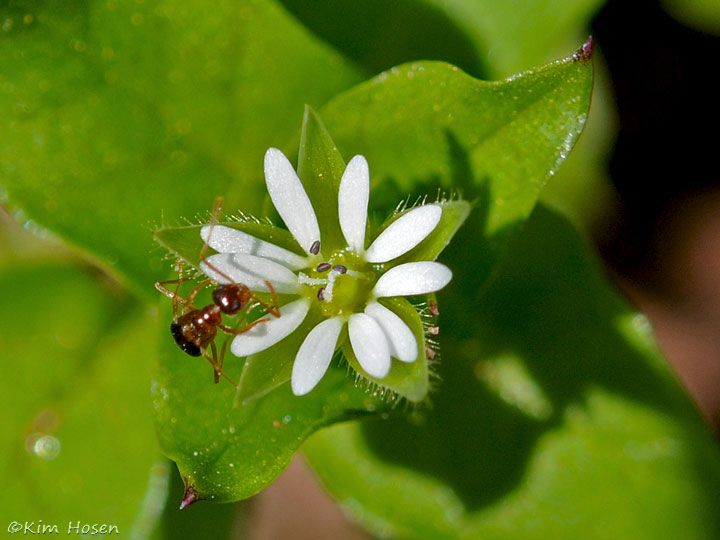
pixel 217 206
pixel 214 218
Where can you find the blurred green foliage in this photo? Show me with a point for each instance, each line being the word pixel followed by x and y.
pixel 122 114
pixel 75 420
pixel 701 14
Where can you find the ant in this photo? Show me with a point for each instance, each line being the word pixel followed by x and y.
pixel 195 329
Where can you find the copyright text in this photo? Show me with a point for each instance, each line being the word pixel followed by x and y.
pixel 73 527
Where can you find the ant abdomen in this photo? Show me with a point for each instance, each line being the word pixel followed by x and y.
pixel 231 298
pixel 185 345
pixel 194 331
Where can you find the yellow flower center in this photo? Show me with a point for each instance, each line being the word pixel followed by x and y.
pixel 341 286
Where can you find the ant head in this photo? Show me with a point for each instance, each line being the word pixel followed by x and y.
pixel 231 298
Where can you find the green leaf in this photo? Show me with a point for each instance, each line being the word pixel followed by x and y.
pixel 408 380
pixel 222 521
pixel 556 418
pixel 228 452
pixel 428 126
pixel 77 435
pixel 533 119
pixel 487 39
pixel 115 114
pixel 581 188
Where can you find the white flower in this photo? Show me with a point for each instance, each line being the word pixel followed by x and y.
pixel 343 284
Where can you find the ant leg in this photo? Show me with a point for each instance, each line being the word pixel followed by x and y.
pixel 220 363
pixel 217 270
pixel 160 286
pixel 222 352
pixel 176 298
pixel 196 290
pixel 236 331
pixel 212 360
pixel 216 368
pixel 275 308
pixel 217 365
pixel 175 295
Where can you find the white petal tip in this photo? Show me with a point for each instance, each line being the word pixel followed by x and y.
pixel 290 199
pixel 267 334
pixel 274 154
pixel 314 356
pixel 369 345
pixel 298 389
pixel 400 338
pixel 413 278
pixel 353 195
pixel 360 164
pixel 404 233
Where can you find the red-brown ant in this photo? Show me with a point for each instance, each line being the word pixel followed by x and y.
pixel 195 329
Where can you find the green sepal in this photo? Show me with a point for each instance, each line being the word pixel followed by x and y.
pixel 454 214
pixel 320 167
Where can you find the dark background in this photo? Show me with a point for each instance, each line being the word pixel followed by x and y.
pixel 663 239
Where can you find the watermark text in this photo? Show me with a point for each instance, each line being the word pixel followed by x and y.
pixel 72 528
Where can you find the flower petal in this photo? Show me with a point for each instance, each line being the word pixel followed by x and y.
pixel 404 233
pixel 413 278
pixel 290 200
pixel 369 345
pixel 267 334
pixel 353 196
pixel 250 270
pixel 314 356
pixel 403 344
pixel 228 240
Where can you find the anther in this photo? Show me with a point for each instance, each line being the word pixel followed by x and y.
pixel 323 267
pixel 433 308
pixel 315 248
pixel 321 294
pixel 340 268
pixel 433 330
